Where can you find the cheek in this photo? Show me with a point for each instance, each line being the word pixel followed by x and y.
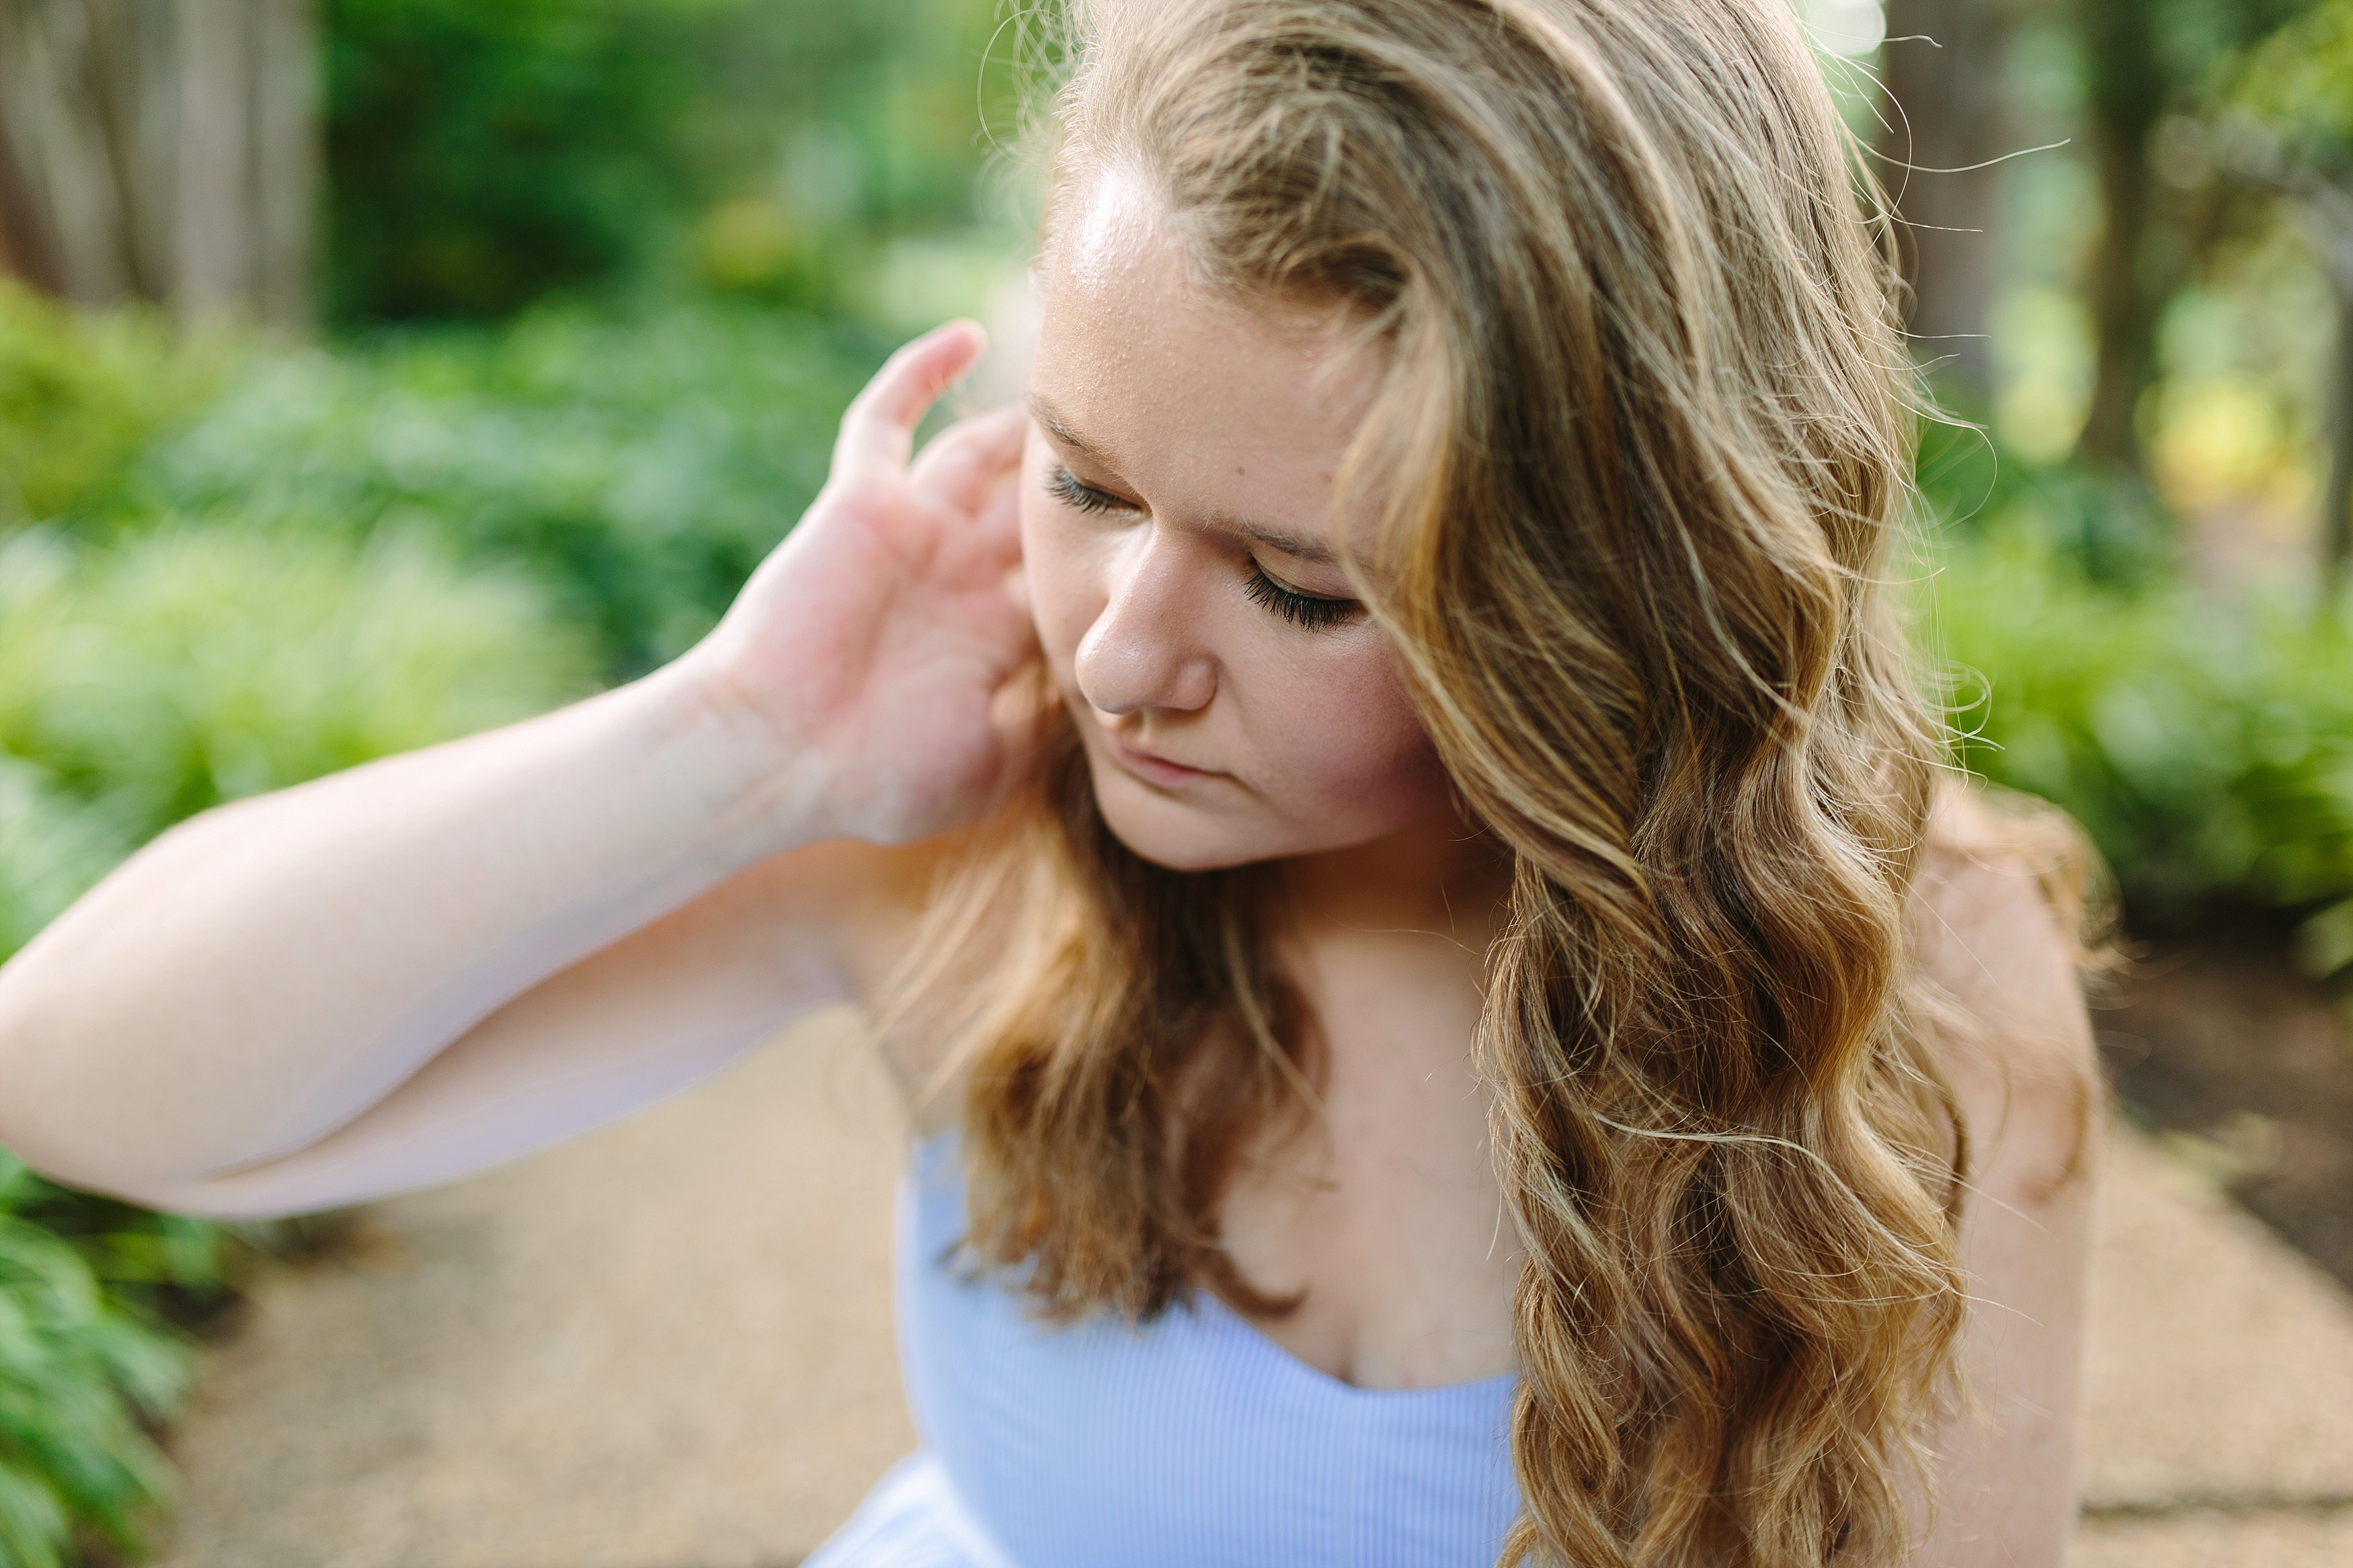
pixel 1064 587
pixel 1350 753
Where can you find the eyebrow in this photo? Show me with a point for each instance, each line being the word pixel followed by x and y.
pixel 1295 545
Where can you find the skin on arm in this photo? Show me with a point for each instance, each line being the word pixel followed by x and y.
pixel 657 1011
pixel 429 964
pixel 2028 1083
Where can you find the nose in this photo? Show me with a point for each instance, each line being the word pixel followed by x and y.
pixel 1141 652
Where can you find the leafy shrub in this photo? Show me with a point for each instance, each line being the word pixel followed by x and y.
pixel 2207 746
pixel 2106 527
pixel 178 668
pixel 52 846
pixel 142 678
pixel 483 153
pixel 641 463
pixel 81 395
pixel 80 1372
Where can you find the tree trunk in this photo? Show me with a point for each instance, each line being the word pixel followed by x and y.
pixel 216 210
pixel 22 255
pixel 2323 208
pixel 2336 499
pixel 288 159
pixel 58 142
pixel 1944 74
pixel 2126 91
pixel 165 150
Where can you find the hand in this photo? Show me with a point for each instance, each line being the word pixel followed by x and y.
pixel 870 647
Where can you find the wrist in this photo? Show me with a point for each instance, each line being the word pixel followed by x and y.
pixel 760 791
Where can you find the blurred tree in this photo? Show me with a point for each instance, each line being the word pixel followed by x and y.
pixel 2293 133
pixel 2143 60
pixel 1945 130
pixel 2125 92
pixel 484 152
pixel 160 151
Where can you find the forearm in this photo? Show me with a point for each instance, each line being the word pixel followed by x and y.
pixel 265 978
pixel 589 1045
pixel 266 972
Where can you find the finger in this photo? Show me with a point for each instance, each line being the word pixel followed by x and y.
pixel 961 467
pixel 996 520
pixel 878 430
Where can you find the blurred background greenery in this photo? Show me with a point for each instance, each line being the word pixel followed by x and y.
pixel 547 307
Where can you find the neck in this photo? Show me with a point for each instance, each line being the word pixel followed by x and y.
pixel 1443 873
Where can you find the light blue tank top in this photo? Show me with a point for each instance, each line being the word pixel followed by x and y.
pixel 1194 1441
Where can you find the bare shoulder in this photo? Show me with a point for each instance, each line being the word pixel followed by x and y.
pixel 1998 913
pixel 1997 919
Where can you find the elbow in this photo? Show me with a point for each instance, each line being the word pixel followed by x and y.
pixel 45 1121
pixel 25 1132
pixel 34 1142
pixel 221 1205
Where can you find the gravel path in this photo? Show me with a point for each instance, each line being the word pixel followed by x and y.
pixel 668 1346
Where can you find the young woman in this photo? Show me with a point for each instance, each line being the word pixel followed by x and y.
pixel 1384 817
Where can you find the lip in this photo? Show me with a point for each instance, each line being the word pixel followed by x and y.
pixel 1151 769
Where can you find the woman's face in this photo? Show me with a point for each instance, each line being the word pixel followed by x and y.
pixel 1236 703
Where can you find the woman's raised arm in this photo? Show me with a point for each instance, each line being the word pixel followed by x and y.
pixel 431 963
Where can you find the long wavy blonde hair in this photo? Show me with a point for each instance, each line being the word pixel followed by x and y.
pixel 1641 456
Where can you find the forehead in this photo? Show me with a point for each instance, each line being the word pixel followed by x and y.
pixel 1165 378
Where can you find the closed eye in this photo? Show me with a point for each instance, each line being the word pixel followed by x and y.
pixel 1312 611
pixel 1071 490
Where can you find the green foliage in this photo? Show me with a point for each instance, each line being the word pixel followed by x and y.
pixel 2198 40
pixel 2301 78
pixel 641 464
pixel 484 152
pixel 141 678
pixel 176 669
pixel 88 1363
pixel 80 397
pixel 82 1373
pixel 2206 747
pixel 52 846
pixel 2108 527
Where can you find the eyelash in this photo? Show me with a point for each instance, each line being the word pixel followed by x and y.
pixel 1311 611
pixel 1065 487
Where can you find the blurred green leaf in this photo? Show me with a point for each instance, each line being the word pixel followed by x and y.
pixel 171 670
pixel 81 395
pixel 639 463
pixel 79 1375
pixel 484 154
pixel 2301 78
pixel 2207 746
